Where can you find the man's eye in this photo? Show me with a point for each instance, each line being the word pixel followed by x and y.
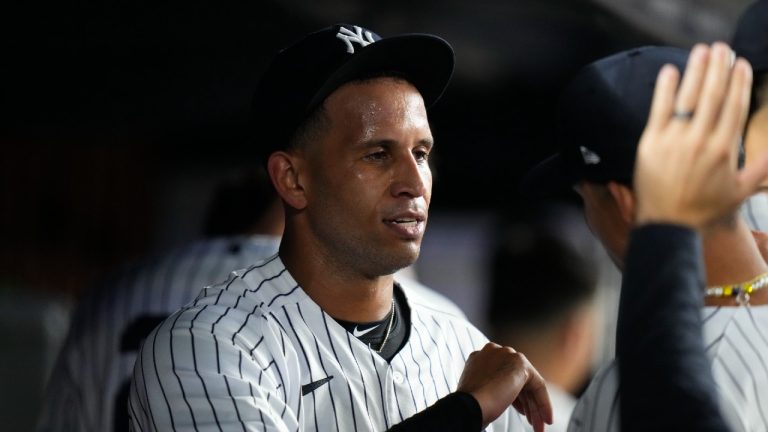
pixel 379 155
pixel 421 155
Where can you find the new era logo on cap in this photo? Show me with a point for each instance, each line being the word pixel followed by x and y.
pixel 590 157
pixel 348 36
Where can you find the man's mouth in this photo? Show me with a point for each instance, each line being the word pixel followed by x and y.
pixel 409 227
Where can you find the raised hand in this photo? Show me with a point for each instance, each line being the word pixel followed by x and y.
pixel 686 170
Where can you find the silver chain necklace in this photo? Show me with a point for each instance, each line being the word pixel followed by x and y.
pixel 389 329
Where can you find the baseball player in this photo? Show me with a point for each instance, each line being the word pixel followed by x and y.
pixel 88 388
pixel 601 117
pixel 750 41
pixel 554 324
pixel 685 179
pixel 320 336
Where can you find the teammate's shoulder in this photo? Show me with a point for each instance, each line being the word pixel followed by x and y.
pixel 421 296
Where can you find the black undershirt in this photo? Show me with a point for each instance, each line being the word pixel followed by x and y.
pixel 373 333
pixel 457 411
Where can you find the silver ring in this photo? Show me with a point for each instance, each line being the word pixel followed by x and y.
pixel 682 115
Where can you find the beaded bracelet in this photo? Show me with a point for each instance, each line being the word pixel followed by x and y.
pixel 741 291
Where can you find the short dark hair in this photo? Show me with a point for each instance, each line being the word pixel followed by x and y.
pixel 311 129
pixel 318 122
pixel 537 275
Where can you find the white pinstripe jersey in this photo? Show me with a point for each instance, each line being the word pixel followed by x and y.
pixel 755 211
pixel 88 389
pixel 737 344
pixel 237 358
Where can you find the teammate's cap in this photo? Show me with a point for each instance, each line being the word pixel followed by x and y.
pixel 751 37
pixel 600 118
pixel 301 76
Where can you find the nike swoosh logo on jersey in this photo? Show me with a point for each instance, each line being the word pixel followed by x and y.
pixel 309 388
pixel 357 333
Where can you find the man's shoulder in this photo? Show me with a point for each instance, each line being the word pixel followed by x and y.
pixel 421 296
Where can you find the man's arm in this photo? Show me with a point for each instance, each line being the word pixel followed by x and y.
pixel 686 178
pixel 666 377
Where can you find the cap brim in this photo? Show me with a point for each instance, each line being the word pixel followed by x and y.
pixel 548 179
pixel 425 60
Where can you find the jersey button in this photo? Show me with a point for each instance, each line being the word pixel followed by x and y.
pixel 397 377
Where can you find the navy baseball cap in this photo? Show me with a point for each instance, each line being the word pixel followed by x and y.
pixel 303 75
pixel 600 118
pixel 751 37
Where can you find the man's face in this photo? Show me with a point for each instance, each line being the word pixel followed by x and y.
pixel 369 185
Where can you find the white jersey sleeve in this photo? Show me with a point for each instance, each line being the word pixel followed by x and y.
pixel 88 388
pixel 189 380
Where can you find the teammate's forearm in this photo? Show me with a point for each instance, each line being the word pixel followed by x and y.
pixel 666 378
pixel 458 411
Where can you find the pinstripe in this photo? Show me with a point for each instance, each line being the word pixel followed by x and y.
pixel 456 338
pixel 381 391
pixel 306 359
pixel 234 403
pixel 322 365
pixel 756 327
pixel 707 318
pixel 282 382
pixel 282 295
pixel 410 387
pixel 176 373
pixel 714 343
pixel 253 312
pixel 258 287
pixel 215 339
pixel 439 356
pixel 429 364
pixel 418 374
pixel 256 346
pixel 262 265
pixel 764 365
pixel 346 379
pixel 448 345
pixel 133 412
pixel 140 360
pixel 734 381
pixel 194 365
pixel 159 382
pixel 362 379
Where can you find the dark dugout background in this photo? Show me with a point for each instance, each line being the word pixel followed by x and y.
pixel 118 116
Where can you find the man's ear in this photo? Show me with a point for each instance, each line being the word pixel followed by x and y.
pixel 284 169
pixel 624 199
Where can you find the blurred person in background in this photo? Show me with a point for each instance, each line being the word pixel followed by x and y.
pixel 543 284
pixel 88 387
pixel 601 118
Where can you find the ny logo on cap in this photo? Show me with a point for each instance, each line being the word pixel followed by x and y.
pixel 590 157
pixel 348 37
